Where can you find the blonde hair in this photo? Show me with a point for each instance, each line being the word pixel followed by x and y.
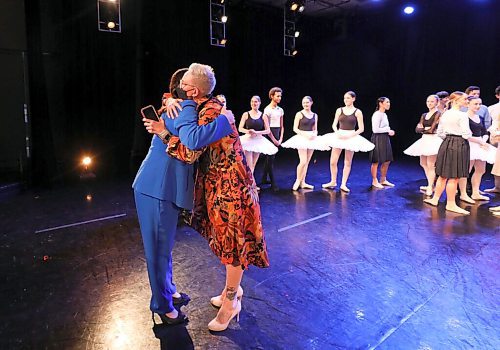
pixel 204 77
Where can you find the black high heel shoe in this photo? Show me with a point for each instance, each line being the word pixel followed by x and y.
pixel 184 299
pixel 167 321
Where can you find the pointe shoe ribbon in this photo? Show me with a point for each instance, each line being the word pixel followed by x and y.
pixel 217 301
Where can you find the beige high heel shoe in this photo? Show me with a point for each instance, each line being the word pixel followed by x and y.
pixel 217 301
pixel 216 326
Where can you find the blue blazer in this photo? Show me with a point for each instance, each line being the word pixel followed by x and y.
pixel 163 177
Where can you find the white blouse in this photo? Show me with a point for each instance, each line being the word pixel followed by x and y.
pixel 454 122
pixel 380 123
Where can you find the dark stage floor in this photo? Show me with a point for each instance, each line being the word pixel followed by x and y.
pixel 373 269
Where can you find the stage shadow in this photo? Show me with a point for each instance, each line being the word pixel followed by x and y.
pixel 173 337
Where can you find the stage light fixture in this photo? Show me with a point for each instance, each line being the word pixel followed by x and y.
pixel 298 5
pixel 108 16
pixel 218 19
pixel 86 173
pixel 409 10
pixel 290 33
pixel 86 161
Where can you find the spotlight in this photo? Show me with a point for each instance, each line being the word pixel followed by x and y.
pixel 296 5
pixel 87 172
pixel 294 52
pixel 86 161
pixel 111 25
pixel 409 10
pixel 223 41
pixel 88 197
pixel 297 33
pixel 224 19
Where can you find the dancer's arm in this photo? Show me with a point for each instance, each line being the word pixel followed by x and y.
pixel 266 130
pixel 296 121
pixel 282 129
pixel 336 120
pixel 420 126
pixel 361 124
pixel 465 131
pixel 241 127
pixel 434 125
pixel 376 121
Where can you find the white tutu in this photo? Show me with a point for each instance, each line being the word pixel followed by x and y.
pixel 355 143
pixel 427 145
pixel 302 142
pixel 258 143
pixel 479 153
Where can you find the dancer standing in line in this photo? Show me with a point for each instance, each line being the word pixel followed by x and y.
pixel 346 138
pixel 453 158
pixel 163 185
pixel 305 125
pixel 494 111
pixel 483 113
pixel 495 136
pixel 382 154
pixel 275 114
pixel 427 146
pixel 480 151
pixel 226 210
pixel 222 99
pixel 444 97
pixel 254 124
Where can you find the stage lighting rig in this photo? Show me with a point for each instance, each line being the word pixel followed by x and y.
pixel 108 16
pixel 297 5
pixel 290 32
pixel 218 20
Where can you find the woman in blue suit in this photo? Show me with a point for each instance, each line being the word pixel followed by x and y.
pixel 162 187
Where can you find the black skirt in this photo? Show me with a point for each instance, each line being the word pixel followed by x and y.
pixel 383 149
pixel 453 158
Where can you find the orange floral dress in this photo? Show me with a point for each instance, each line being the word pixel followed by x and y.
pixel 226 203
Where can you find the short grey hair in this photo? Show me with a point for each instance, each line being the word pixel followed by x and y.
pixel 204 77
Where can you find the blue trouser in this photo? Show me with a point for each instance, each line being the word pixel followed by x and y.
pixel 158 222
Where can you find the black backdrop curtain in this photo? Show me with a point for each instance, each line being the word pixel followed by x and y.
pixel 96 82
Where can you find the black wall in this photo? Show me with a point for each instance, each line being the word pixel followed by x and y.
pixel 96 82
pixel 12 90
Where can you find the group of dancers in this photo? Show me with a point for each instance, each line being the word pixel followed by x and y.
pixel 222 193
pixel 448 116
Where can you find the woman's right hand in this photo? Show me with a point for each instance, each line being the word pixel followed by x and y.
pixel 173 107
pixel 392 132
pixel 154 127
